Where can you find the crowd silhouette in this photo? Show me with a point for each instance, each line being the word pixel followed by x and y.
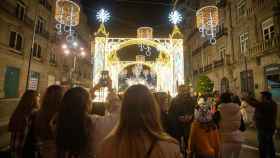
pixel 138 124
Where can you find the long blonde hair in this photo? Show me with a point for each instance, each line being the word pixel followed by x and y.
pixel 139 122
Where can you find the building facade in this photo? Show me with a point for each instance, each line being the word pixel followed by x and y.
pixel 21 21
pixel 246 56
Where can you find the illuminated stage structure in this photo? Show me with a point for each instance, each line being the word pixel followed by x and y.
pixel 167 68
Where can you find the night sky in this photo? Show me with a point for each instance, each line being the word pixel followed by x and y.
pixel 128 15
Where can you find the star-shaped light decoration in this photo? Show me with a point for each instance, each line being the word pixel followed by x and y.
pixel 175 17
pixel 103 15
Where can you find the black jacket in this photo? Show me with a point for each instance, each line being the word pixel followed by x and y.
pixel 181 105
pixel 265 114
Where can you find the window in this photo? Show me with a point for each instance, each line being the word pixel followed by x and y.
pixel 244 37
pixel 221 52
pixel 268 29
pixel 11 86
pixel 20 10
pixel 40 25
pixel 34 80
pixel 15 40
pixel 242 8
pixel 52 58
pixel 224 85
pixel 247 81
pixel 46 4
pixel 36 50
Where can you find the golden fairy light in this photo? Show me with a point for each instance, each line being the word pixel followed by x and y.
pixel 67 14
pixel 207 19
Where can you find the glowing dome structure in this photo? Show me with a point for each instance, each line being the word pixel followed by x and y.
pixel 67 14
pixel 207 19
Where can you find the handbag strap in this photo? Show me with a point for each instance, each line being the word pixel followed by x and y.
pixel 154 142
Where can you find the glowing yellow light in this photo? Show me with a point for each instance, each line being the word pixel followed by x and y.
pixel 67 12
pixel 145 32
pixel 207 17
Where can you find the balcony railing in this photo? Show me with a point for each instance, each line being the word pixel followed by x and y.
pixel 264 47
pixel 208 67
pixel 218 63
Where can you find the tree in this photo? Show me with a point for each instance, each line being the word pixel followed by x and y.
pixel 204 85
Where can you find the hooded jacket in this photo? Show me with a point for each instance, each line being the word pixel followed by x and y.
pixel 230 123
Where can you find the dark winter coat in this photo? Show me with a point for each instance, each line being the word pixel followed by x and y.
pixel 265 114
pixel 181 105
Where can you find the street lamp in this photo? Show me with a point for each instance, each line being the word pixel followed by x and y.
pixel 83 54
pixel 75 44
pixel 67 52
pixel 64 46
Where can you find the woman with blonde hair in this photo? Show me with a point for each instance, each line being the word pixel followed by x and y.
pixel 139 133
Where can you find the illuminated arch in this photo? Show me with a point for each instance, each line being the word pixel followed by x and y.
pixel 168 66
pixel 137 41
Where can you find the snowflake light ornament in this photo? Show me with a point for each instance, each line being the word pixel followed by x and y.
pixel 103 16
pixel 175 17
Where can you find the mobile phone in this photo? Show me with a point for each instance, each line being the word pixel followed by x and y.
pixel 103 81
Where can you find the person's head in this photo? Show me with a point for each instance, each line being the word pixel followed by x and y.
pixel 201 100
pixel 162 100
pixel 50 105
pixel 226 98
pixel 236 99
pixel 71 131
pixel 183 89
pixel 216 93
pixel 28 103
pixel 139 122
pixel 139 111
pixel 266 96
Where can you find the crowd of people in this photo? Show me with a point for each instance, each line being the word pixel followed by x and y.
pixel 138 124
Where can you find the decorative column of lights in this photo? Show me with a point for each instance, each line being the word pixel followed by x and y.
pixel 175 18
pixel 144 33
pixel 67 14
pixel 207 19
pixel 100 62
pixel 102 16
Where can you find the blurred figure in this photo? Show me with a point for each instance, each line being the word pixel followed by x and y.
pixel 204 141
pixel 265 117
pixel 105 124
pixel 139 133
pixel 235 99
pixel 180 116
pixel 21 125
pixel 216 101
pixel 46 121
pixel 73 124
pixel 229 124
pixel 243 111
pixel 87 131
pixel 162 100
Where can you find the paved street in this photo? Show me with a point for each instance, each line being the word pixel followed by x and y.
pixel 250 145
